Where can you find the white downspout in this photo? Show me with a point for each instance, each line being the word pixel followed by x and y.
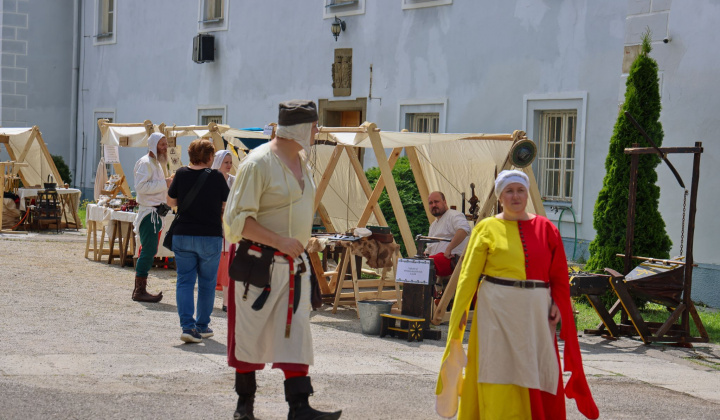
pixel 77 38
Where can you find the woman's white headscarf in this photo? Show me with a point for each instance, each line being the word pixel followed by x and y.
pixel 506 178
pixel 219 157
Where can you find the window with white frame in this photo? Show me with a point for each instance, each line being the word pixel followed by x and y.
pixel 211 114
pixel 343 8
pixel 416 4
pixel 105 19
pixel 207 119
pixel 421 116
pixel 556 123
pixel 213 10
pixel 213 15
pixel 556 161
pixel 428 122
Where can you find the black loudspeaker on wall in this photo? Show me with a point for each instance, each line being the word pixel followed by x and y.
pixel 203 48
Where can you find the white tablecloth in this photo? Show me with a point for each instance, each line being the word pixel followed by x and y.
pixel 97 213
pixel 32 192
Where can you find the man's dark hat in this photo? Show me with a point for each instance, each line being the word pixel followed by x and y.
pixel 297 112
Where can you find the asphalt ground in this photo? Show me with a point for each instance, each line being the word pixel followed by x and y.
pixel 75 346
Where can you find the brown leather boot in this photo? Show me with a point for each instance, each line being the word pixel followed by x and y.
pixel 140 293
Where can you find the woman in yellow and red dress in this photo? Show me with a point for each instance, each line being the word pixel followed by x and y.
pixel 516 263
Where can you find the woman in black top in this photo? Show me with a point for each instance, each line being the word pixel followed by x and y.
pixel 197 239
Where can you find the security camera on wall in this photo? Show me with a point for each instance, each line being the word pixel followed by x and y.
pixel 667 39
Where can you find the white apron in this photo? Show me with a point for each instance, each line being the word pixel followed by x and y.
pixel 515 343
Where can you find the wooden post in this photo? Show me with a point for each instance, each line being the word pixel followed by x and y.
pixel 535 192
pixel 48 156
pixel 379 186
pixel 391 189
pixel 630 231
pixel 357 166
pixel 124 186
pixel 687 290
pixel 325 180
pixel 419 180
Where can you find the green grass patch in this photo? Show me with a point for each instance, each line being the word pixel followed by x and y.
pixel 82 211
pixel 587 318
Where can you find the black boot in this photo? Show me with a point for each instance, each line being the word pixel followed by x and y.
pixel 245 387
pixel 297 391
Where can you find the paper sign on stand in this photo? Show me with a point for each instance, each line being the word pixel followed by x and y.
pixel 414 271
pixel 112 154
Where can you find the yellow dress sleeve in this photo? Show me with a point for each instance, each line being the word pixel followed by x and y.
pixel 449 383
pixel 243 201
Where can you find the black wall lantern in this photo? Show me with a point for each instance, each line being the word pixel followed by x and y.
pixel 337 26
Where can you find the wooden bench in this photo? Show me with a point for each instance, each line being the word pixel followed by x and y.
pixel 413 331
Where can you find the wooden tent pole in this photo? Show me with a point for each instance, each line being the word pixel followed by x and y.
pixel 379 187
pixel 28 145
pixel 13 158
pixel 325 180
pixel 535 192
pixel 419 180
pixel 391 189
pixel 48 156
pixel 357 166
pixel 325 217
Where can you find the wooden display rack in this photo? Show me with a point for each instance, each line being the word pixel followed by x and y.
pixel 383 287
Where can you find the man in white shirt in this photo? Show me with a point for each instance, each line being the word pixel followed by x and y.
pixel 449 224
pixel 151 187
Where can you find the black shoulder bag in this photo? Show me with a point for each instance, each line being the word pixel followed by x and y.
pixel 167 242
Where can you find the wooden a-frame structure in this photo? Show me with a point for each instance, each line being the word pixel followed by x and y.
pixel 26 145
pixel 345 140
pixel 671 286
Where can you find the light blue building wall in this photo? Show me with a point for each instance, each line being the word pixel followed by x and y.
pixel 483 66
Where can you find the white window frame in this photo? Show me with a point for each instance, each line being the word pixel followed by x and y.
pixel 417 4
pixel 105 38
pixel 534 105
pixel 562 160
pixel 211 25
pixel 339 10
pixel 211 111
pixel 423 107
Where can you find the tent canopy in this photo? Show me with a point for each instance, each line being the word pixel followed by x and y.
pixel 27 145
pixel 441 162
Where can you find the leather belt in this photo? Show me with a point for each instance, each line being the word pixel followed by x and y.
pixel 521 284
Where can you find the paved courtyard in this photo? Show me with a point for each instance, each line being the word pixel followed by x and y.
pixel 75 346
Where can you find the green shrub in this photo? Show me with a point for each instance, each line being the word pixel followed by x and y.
pixel 63 169
pixel 642 101
pixel 410 198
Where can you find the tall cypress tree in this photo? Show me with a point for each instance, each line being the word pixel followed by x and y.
pixel 642 101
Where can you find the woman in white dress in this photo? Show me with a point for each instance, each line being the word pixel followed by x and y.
pixel 223 163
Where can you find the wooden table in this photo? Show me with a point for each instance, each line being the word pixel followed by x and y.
pixel 121 227
pixel 97 219
pixel 69 199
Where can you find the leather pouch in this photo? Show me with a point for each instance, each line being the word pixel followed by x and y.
pixel 248 267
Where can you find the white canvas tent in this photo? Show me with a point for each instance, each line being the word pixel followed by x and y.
pixel 26 145
pixel 136 135
pixel 440 162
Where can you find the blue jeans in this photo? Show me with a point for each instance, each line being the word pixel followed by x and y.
pixel 196 257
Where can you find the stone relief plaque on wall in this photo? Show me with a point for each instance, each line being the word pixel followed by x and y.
pixel 342 72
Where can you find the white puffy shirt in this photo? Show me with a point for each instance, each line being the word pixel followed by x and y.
pixel 150 185
pixel 445 226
